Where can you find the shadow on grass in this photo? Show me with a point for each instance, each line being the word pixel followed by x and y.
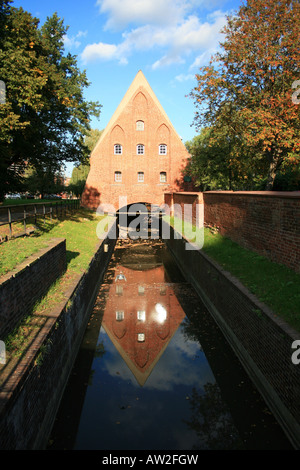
pixel 70 255
pixel 80 215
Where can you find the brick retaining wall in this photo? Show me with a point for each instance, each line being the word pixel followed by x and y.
pixel 31 388
pixel 22 287
pixel 186 205
pixel 261 340
pixel 266 222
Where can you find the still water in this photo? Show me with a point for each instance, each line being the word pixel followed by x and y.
pixel 154 372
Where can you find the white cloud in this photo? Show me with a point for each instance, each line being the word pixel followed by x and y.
pixel 192 36
pixel 81 34
pixel 121 13
pixel 203 59
pixel 99 51
pixel 185 77
pixel 167 60
pixel 72 41
pixel 165 28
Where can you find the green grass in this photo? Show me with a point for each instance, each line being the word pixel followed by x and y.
pixel 15 251
pixel 274 284
pixel 17 202
pixel 79 230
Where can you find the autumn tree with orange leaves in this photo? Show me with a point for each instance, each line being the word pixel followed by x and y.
pixel 246 93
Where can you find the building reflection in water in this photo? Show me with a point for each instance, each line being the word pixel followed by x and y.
pixel 142 312
pixel 169 375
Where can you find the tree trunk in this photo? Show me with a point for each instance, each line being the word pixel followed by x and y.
pixel 271 176
pixel 275 162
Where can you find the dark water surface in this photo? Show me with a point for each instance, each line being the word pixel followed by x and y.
pixel 154 372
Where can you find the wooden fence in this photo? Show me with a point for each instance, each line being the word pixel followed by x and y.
pixel 25 213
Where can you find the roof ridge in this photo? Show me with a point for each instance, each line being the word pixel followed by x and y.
pixel 138 81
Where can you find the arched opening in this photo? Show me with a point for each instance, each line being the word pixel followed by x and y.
pixel 139 220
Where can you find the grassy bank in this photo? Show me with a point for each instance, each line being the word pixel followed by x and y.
pixel 274 284
pixel 79 230
pixel 27 207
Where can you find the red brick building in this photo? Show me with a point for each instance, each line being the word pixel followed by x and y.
pixel 139 155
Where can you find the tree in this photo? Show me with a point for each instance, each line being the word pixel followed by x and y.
pixel 78 179
pixel 221 163
pixel 92 138
pixel 288 178
pixel 45 118
pixel 44 181
pixel 80 173
pixel 247 88
pixel 208 164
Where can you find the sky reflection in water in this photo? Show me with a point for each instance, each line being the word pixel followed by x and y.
pixel 179 389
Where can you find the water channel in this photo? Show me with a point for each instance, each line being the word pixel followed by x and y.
pixel 154 372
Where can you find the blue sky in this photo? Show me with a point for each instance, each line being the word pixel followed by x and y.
pixel 113 39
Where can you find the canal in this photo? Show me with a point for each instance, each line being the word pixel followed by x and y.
pixel 154 372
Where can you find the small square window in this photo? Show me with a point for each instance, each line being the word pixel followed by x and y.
pixel 119 290
pixel 141 290
pixel 140 149
pixel 118 176
pixel 163 177
pixel 162 149
pixel 119 315
pixel 141 315
pixel 118 149
pixel 141 337
pixel 139 125
pixel 140 176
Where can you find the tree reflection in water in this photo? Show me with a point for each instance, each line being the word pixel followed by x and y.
pixel 212 421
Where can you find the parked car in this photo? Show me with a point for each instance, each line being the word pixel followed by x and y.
pixel 52 196
pixel 13 196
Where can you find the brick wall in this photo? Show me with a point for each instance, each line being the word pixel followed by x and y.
pixel 186 205
pixel 138 105
pixel 32 387
pixel 261 341
pixel 21 288
pixel 266 222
